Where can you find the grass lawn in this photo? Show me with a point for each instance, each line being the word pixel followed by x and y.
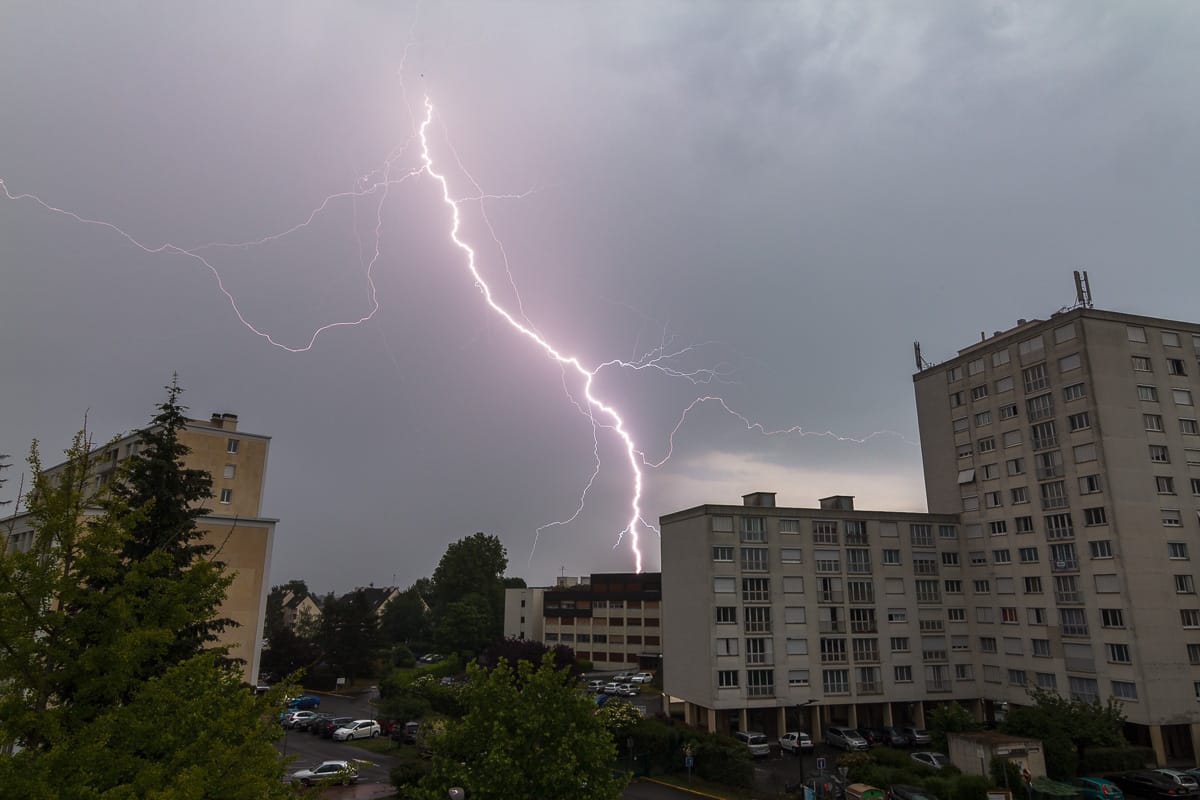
pixel 382 744
pixel 708 787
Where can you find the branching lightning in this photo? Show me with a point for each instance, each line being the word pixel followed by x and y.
pixel 578 380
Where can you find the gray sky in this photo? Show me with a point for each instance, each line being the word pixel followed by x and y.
pixel 799 190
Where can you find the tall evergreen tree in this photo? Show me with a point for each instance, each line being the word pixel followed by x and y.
pixel 166 538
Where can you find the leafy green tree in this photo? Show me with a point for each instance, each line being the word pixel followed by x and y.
pixel 949 718
pixel 527 732
pixel 85 685
pixel 406 619
pixel 288 649
pixel 349 634
pixel 1066 727
pixel 513 650
pixel 473 565
pixel 465 625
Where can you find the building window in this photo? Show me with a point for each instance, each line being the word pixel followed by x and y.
pixel 1193 651
pixel 1076 391
pixel 1035 616
pixel 956 614
pixel 949 559
pixel 895 615
pixel 1183 397
pixel 1044 435
pixel 1196 486
pixel 987 644
pixel 991 499
pixel 1191 456
pixel 1147 393
pixel 797 677
pixel 1079 422
pixel 790 526
pixel 1190 617
pixel 1152 422
pixel 722 553
pixel 1023 524
pixel 1177 550
pixel 987 444
pixel 1015 466
pixel 726 647
pixel 1047 680
pixel 726 615
pixel 1016 677
pixel 795 615
pixel 1112 618
pixel 977 557
pixel 722 524
pixel 1175 366
pixel 230 471
pixel 954 374
pixel 1072 622
pixel 902 674
pixel 956 399
pixel 791 555
pixel 1170 517
pixel 231 445
pixel 948 531
pixel 1170 339
pixel 1141 364
pixel 825 531
pixel 1041 647
pixel 1065 333
pixel 1034 378
pixel 727 678
pixel 979 392
pixel 1090 484
pixel 1095 516
pixel 952 586
pixel 1008 412
pixel 1084 453
pixel 1030 348
pixel 960 425
pixel 1124 690
pixel 1028 555
pixel 1189 427
pixel 890 558
pixel 835 681
pixel 1118 653
pixel 1185 584
pixel 974 367
pixel 1101 548
pixel 754 529
pixel 1164 484
pixel 1008 615
pixel 1058 526
pixel 1000 358
pixel 1135 333
pixel 1004 384
pixel 756 590
pixel 1001 557
pixel 1033 585
pixel 724 585
pixel 1068 363
pixel 227 496
pixel 754 559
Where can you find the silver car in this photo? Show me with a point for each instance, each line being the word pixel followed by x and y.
pixel 845 738
pixel 342 772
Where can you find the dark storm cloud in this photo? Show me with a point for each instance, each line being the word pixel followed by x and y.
pixel 804 188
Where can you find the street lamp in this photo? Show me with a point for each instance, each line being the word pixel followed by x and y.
pixel 457 793
pixel 800 726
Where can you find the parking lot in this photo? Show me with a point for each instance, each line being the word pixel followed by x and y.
pixel 303 749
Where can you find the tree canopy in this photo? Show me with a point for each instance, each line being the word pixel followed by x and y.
pixel 1066 727
pixel 527 731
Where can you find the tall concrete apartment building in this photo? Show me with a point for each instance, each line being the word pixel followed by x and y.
pixel 612 619
pixel 1062 472
pixel 243 538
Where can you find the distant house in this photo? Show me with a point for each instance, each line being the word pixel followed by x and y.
pixel 378 597
pixel 300 609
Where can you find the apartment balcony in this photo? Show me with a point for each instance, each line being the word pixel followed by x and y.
pixel 934 655
pixel 866 657
pixel 1074 630
pixel 1053 503
pixel 939 686
pixel 755 566
pixel 857 540
pixel 825 538
pixel 858 569
pixel 931 625
pixel 761 691
pixel 757 627
pixel 863 598
pixel 830 597
pixel 827 566
pixel 871 687
pixel 834 658
pixel 925 568
pixel 929 597
pixel 1068 598
pixel 867 626
pixel 832 626
pixel 760 659
pixel 1065 565
pixel 1051 472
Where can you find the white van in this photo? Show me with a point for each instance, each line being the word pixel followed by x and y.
pixel 756 742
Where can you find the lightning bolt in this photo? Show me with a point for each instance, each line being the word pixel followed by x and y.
pixel 602 413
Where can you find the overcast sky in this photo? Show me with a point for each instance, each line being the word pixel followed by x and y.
pixel 798 190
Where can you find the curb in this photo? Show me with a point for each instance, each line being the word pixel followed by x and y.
pixel 696 792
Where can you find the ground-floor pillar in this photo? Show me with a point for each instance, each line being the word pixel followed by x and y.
pixel 852 719
pixel 743 719
pixel 888 719
pixel 1156 741
pixel 689 717
pixel 710 716
pixel 919 714
pixel 1195 730
pixel 781 723
pixel 976 708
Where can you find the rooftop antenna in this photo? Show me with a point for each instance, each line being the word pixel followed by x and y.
pixel 921 362
pixel 1083 289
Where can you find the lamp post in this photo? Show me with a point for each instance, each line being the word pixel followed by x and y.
pixel 799 727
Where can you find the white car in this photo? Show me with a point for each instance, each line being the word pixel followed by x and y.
pixel 629 690
pixel 359 729
pixel 642 677
pixel 342 772
pixel 755 741
pixel 796 742
pixel 611 689
pixel 595 686
pixel 1184 779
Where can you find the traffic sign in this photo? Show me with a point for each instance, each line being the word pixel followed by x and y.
pixel 821 763
pixel 689 762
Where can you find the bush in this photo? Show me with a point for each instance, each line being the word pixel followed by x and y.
pixel 403 657
pixel 1005 773
pixel 584 665
pixel 659 743
pixel 1114 759
pixel 972 787
pixel 409 772
pixel 890 757
pixel 723 759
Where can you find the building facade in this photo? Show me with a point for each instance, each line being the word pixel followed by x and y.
pixel 1062 471
pixel 785 617
pixel 1071 449
pixel 613 620
pixel 241 537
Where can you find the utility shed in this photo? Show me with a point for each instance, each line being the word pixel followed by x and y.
pixel 973 753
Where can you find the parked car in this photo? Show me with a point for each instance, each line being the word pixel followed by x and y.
pixel 314 724
pixel 611 688
pixel 431 658
pixel 326 728
pixel 935 760
pixel 796 742
pixel 358 729
pixel 595 686
pixel 864 791
pixel 756 742
pixel 622 677
pixel 642 677
pixel 406 733
pixel 1182 777
pixel 629 690
pixel 901 792
pixel 894 737
pixel 1152 785
pixel 304 719
pixel 917 736
pixel 295 718
pixel 342 772
pixel 845 738
pixel 304 701
pixel 1097 789
pixel 826 787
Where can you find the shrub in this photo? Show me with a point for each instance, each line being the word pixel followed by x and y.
pixel 972 787
pixel 890 757
pixel 409 772
pixel 584 665
pixel 1114 759
pixel 724 760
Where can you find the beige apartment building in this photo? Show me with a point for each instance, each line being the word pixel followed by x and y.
pixel 1062 472
pixel 612 619
pixel 1071 449
pixel 243 538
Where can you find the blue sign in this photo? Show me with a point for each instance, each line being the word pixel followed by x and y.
pixel 689 762
pixel 821 763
